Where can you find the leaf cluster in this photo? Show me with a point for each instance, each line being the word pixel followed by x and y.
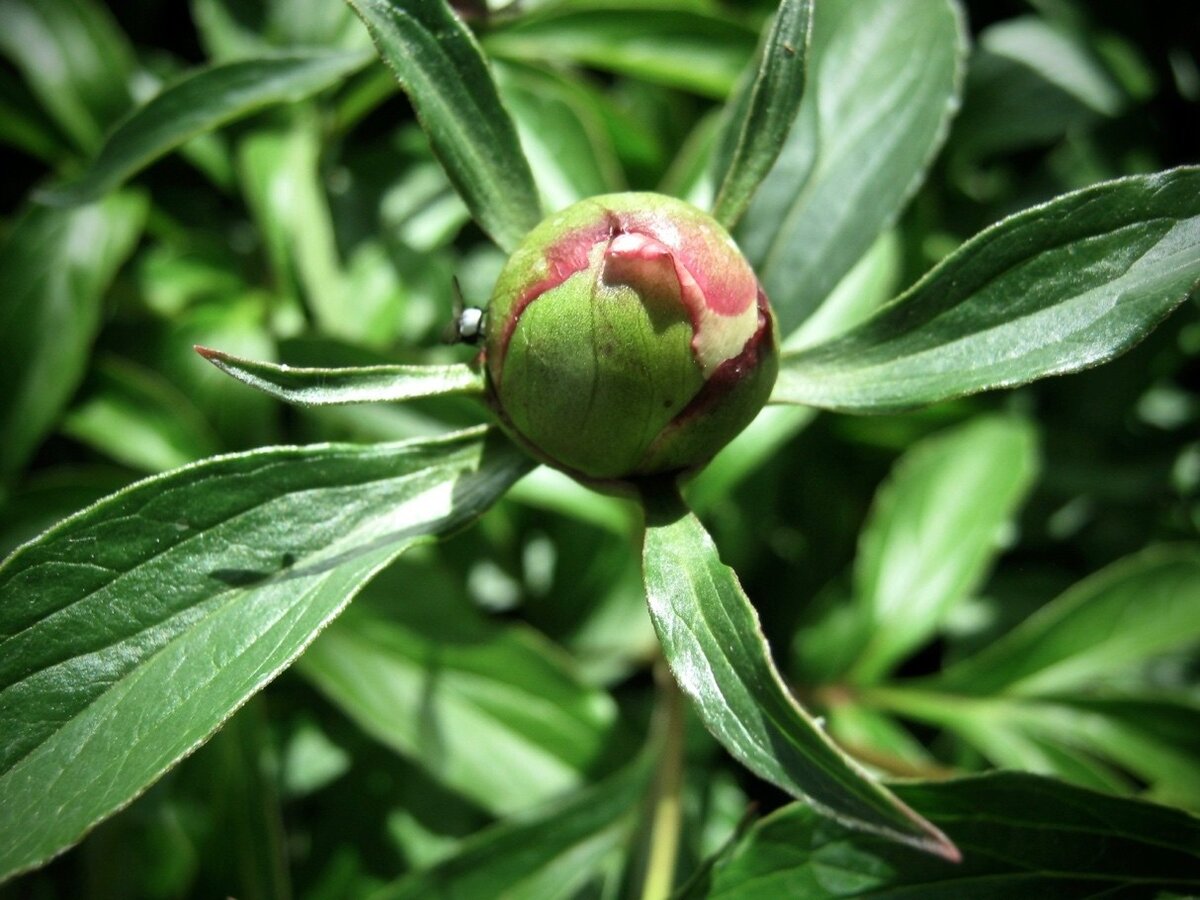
pixel 970 663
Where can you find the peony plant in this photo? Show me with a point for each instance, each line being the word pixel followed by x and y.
pixel 627 342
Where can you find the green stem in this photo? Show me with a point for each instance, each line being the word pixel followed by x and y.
pixel 667 814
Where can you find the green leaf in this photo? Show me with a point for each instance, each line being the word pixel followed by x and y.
pixel 884 79
pixel 442 69
pixel 234 782
pixel 1156 739
pixel 552 855
pixel 565 141
pixel 137 417
pixel 281 176
pixel 1021 836
pixel 131 631
pixel 199 102
pixel 366 384
pixel 693 50
pixel 1124 615
pixel 1055 289
pixel 56 266
pixel 933 531
pixel 715 647
pixel 24 125
pixel 873 281
pixel 1031 82
pixel 1087 740
pixel 74 58
pixel 493 712
pixel 761 114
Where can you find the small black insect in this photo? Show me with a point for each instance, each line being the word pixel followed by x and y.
pixel 466 327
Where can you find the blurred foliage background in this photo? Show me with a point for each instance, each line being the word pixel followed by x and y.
pixel 323 232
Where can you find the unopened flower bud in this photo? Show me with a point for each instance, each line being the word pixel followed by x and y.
pixel 627 337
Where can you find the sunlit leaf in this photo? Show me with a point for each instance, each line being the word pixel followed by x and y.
pixel 492 712
pixel 74 58
pixel 131 631
pixel 716 650
pixel 440 66
pixel 933 532
pixel 1120 617
pixel 1055 289
pixel 199 102
pixel 694 50
pixel 55 266
pixel 761 113
pixel 884 78
pixel 368 384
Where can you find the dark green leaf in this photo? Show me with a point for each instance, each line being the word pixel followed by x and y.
pixel 55 267
pixel 1051 290
pixel 369 384
pixel 138 418
pixel 1031 82
pixel 245 849
pixel 1117 619
pixel 74 58
pixel 131 631
pixel 200 102
pixel 50 495
pixel 1021 836
pixel 440 66
pixel 493 712
pixel 933 531
pixel 762 112
pixel 553 854
pixel 715 647
pixel 884 79
pixel 693 50
pixel 24 125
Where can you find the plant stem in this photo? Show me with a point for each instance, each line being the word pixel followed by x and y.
pixel 667 814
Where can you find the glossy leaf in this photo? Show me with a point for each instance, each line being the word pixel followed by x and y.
pixel 933 531
pixel 761 114
pixel 491 711
pixel 56 266
pixel 75 60
pixel 1021 836
pixel 690 49
pixel 552 855
pixel 884 79
pixel 442 69
pixel 198 103
pixel 1055 289
pixel 131 631
pixel 367 384
pixel 1137 608
pixel 714 645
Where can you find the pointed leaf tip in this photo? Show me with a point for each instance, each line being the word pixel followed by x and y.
pixel 713 642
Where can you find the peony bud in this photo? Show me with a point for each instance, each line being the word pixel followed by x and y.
pixel 627 336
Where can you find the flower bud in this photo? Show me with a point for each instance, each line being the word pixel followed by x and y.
pixel 626 337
